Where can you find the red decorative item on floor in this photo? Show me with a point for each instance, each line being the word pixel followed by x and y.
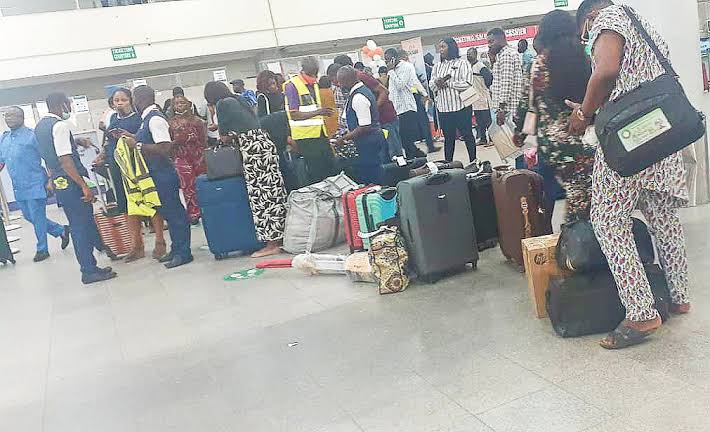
pixel 275 263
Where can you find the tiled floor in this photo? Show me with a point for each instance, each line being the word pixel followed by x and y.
pixel 186 351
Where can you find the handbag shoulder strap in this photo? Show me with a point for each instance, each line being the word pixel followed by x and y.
pixel 531 90
pixel 665 63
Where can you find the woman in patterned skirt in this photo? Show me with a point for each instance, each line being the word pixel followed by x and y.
pixel 561 72
pixel 622 61
pixel 265 185
pixel 190 139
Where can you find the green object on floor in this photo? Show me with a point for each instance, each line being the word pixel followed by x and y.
pixel 244 274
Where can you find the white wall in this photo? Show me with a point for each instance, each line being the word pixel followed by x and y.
pixel 80 40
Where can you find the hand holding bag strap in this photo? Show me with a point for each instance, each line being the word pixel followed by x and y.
pixel 665 63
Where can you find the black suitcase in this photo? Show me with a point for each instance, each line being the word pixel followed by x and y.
pixel 483 208
pixel 586 304
pixel 5 251
pixel 394 173
pixel 435 218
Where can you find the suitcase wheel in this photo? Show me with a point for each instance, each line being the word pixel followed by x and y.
pixel 474 265
pixel 221 257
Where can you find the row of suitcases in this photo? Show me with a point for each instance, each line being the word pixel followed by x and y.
pixel 503 206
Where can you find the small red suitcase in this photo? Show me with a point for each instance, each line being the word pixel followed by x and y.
pixel 111 223
pixel 352 224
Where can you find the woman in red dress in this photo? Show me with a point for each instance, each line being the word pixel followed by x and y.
pixel 189 135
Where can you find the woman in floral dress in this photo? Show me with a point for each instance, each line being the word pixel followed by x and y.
pixel 561 72
pixel 189 134
pixel 622 61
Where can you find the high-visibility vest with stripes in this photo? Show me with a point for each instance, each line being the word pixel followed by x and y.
pixel 313 127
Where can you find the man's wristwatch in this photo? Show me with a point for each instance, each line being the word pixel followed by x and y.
pixel 139 146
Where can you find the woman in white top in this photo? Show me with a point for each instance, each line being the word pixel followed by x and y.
pixel 449 78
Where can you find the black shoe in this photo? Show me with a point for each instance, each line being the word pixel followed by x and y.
pixel 97 277
pixel 66 237
pixel 434 149
pixel 166 258
pixel 178 261
pixel 105 270
pixel 41 256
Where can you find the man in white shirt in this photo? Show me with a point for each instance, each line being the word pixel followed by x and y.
pixel 153 140
pixel 364 128
pixel 58 149
pixel 402 80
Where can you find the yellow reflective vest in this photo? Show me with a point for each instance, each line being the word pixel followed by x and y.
pixel 141 193
pixel 313 127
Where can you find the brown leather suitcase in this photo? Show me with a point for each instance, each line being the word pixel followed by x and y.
pixel 519 202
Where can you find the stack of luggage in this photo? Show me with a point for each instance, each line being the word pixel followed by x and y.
pixel 586 301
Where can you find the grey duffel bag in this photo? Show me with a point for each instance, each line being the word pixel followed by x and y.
pixel 315 217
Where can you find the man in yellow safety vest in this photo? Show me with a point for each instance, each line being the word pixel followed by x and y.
pixel 305 115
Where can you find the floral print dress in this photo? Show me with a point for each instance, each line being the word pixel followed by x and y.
pixel 571 159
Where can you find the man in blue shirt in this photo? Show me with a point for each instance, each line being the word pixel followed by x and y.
pixel 239 88
pixel 18 150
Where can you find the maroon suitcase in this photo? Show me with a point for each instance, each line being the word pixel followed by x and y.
pixel 520 206
pixel 352 223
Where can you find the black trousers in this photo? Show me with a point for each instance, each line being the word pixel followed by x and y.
pixel 461 121
pixel 409 132
pixel 483 122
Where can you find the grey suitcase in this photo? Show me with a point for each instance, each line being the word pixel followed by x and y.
pixel 435 217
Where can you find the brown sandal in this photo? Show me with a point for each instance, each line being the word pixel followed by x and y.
pixel 626 336
pixel 135 255
pixel 160 250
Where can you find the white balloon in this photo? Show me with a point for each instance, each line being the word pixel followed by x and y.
pixel 377 57
pixel 371 44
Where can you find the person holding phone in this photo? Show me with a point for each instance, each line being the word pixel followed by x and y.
pixel 58 150
pixel 450 77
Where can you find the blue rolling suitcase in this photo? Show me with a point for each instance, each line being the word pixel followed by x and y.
pixel 226 216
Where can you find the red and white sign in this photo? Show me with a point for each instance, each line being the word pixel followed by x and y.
pixel 481 39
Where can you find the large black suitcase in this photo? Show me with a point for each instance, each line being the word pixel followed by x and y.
pixel 5 251
pixel 483 208
pixel 585 304
pixel 435 217
pixel 394 173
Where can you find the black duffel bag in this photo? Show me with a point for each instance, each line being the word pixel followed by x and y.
pixel 578 250
pixel 649 123
pixel 586 304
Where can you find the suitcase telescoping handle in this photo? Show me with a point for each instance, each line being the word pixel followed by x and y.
pixel 438 178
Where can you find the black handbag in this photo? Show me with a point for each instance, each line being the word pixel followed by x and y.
pixel 223 161
pixel 649 123
pixel 578 250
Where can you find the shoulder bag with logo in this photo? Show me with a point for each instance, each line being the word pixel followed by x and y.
pixel 649 123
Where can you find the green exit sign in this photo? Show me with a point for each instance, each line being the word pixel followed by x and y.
pixel 561 3
pixel 393 22
pixel 123 53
